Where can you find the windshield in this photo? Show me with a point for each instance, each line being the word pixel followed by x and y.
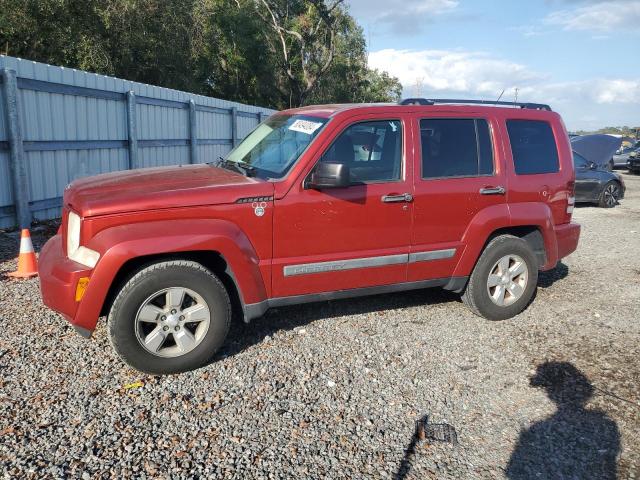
pixel 275 146
pixel 579 160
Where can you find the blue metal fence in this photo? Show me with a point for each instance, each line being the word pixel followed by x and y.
pixel 59 124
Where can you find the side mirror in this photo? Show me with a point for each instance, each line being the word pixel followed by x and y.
pixel 329 175
pixel 592 166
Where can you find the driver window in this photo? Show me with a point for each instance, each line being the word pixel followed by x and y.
pixel 371 150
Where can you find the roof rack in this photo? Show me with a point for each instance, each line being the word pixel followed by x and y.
pixel 434 101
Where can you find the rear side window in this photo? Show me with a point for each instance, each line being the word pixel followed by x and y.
pixel 533 146
pixel 455 147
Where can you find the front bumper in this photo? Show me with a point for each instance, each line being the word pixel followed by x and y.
pixel 567 236
pixel 58 281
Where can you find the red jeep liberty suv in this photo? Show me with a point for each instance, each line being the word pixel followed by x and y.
pixel 317 203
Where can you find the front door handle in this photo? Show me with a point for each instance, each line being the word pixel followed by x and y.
pixel 499 190
pixel 403 197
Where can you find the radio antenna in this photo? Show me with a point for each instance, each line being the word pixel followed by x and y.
pixel 501 93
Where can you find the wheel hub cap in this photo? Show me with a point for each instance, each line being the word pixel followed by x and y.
pixel 172 322
pixel 507 280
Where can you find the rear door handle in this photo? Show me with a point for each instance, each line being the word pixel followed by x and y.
pixel 403 197
pixel 499 190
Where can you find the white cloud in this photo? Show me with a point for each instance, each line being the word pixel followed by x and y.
pixel 442 73
pixel 599 16
pixel 611 91
pixel 595 91
pixel 405 18
pixel 474 73
pixel 530 30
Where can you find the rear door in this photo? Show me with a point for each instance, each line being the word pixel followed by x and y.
pixel 540 158
pixel 358 236
pixel 458 173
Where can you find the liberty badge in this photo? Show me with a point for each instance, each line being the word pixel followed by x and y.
pixel 259 208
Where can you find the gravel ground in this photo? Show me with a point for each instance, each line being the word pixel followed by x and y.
pixel 335 389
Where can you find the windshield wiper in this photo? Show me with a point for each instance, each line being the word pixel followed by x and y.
pixel 240 167
pixel 250 169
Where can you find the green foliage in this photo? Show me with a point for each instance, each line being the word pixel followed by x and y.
pixel 275 53
pixel 631 132
pixel 349 79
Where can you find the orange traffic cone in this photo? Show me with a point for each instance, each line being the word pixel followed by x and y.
pixel 27 263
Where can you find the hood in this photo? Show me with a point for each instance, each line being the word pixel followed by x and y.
pixel 159 188
pixel 598 149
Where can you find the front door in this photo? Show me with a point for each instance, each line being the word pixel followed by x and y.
pixel 457 175
pixel 587 179
pixel 352 237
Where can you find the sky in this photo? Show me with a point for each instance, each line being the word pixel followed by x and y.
pixel 580 56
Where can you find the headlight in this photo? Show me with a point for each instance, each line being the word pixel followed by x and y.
pixel 73 234
pixel 75 251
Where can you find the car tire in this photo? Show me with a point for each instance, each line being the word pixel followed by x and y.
pixel 610 195
pixel 169 317
pixel 484 298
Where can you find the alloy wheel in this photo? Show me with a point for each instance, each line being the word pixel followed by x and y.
pixel 172 322
pixel 611 195
pixel 507 280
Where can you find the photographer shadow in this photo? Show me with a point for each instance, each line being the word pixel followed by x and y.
pixel 548 278
pixel 575 442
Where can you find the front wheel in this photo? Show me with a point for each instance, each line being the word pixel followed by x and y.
pixel 170 317
pixel 504 279
pixel 610 195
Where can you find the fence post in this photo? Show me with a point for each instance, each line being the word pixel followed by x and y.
pixel 234 126
pixel 193 132
pixel 17 158
pixel 132 129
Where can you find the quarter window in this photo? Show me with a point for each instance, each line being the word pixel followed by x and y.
pixel 533 147
pixel 371 150
pixel 455 147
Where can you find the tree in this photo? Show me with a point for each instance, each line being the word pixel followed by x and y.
pixel 381 87
pixel 273 53
pixel 58 32
pixel 231 57
pixel 304 40
pixel 349 79
pixel 141 40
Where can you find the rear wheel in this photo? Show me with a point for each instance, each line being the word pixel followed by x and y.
pixel 610 195
pixel 170 317
pixel 504 279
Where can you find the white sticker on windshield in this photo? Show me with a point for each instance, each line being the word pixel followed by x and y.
pixel 305 126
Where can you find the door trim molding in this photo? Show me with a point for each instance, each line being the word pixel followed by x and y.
pixel 339 265
pixel 431 255
pixel 366 262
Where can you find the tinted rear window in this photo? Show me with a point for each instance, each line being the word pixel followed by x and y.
pixel 455 147
pixel 533 146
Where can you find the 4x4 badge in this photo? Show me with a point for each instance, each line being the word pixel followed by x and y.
pixel 258 208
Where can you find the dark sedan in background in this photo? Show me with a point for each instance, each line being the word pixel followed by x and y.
pixel 595 184
pixel 633 163
pixel 622 156
pixel 597 148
